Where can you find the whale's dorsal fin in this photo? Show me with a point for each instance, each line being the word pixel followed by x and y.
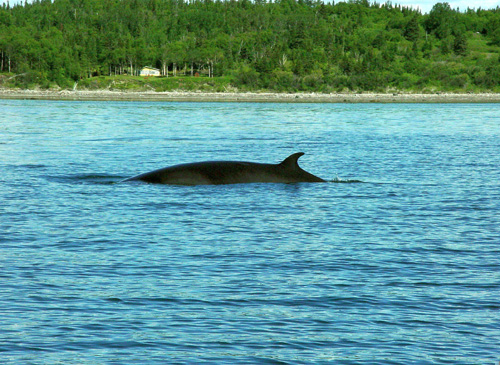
pixel 291 161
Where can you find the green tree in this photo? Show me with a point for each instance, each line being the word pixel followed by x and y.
pixel 285 45
pixel 412 29
pixel 440 20
pixel 460 46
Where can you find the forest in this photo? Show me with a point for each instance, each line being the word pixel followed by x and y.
pixel 280 45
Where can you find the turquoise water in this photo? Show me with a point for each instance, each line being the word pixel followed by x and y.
pixel 395 261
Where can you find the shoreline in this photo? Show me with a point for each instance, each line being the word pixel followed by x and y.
pixel 264 97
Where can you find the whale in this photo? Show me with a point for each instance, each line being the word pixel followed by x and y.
pixel 229 172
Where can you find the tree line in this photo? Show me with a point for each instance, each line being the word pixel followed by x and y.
pixel 281 45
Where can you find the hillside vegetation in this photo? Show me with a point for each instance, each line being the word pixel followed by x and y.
pixel 284 46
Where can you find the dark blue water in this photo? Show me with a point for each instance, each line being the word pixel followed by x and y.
pixel 396 261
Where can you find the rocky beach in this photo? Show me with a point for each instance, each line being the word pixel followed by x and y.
pixel 260 97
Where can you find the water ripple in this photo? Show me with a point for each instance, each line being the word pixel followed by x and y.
pixel 393 262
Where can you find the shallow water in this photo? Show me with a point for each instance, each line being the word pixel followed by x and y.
pixel 395 261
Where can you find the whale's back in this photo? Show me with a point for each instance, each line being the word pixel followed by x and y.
pixel 229 172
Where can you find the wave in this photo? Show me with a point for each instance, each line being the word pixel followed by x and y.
pixel 92 178
pixel 339 180
pixel 108 179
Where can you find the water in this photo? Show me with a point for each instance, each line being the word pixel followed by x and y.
pixel 394 262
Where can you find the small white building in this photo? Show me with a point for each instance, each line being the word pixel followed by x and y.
pixel 150 71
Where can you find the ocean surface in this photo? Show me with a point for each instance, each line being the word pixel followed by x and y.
pixel 396 260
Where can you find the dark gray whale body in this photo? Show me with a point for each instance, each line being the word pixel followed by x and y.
pixel 229 172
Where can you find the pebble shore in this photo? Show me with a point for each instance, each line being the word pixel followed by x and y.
pixel 84 95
